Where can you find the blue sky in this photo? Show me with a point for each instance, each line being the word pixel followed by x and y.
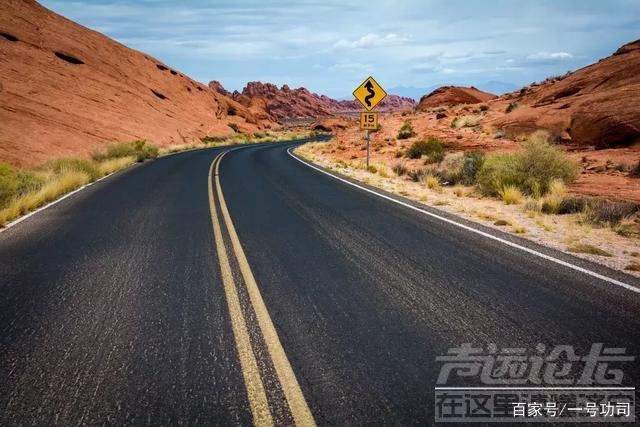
pixel 331 46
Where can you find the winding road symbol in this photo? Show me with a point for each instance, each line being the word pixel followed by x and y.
pixel 372 93
pixel 369 94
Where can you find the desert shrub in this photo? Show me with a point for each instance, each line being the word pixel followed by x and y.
pixel 431 147
pixel 417 175
pixel 9 183
pixel 511 107
pixel 71 164
pixel 454 123
pixel 450 170
pixel 608 212
pixel 231 110
pixel 399 169
pixel 406 131
pixel 531 169
pixel 398 154
pixel 484 107
pixel 372 169
pixel 471 165
pixel 635 170
pixel 541 163
pixel 571 205
pixel 234 127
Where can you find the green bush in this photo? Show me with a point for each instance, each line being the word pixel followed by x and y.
pixel 72 164
pixel 431 147
pixel 531 169
pixel 406 131
pixel 472 163
pixel 9 183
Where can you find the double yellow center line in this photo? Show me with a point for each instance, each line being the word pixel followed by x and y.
pixel 251 373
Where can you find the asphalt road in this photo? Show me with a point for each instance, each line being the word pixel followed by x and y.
pixel 115 305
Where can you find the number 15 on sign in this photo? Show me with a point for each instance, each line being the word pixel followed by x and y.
pixel 368 121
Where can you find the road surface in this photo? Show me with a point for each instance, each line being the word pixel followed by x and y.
pixel 257 289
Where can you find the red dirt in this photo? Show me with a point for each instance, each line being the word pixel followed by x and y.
pixel 67 90
pixel 593 113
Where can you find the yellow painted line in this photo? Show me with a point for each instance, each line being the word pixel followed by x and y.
pixel 292 391
pixel 248 364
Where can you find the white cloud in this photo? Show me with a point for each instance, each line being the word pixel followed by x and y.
pixel 351 67
pixel 549 56
pixel 371 40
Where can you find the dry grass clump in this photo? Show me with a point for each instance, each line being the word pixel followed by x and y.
pixel 510 195
pixel 588 249
pixel 60 184
pixel 432 182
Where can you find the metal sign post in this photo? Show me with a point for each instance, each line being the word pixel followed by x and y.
pixel 369 94
pixel 368 141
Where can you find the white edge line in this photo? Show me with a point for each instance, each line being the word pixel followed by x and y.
pixel 537 388
pixel 61 198
pixel 473 230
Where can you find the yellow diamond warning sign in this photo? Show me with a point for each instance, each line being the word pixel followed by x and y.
pixel 368 121
pixel 369 93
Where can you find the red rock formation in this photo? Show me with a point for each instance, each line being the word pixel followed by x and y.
pixel 286 103
pixel 453 95
pixel 66 90
pixel 598 105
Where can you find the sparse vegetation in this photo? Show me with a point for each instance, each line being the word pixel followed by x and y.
pixel 372 169
pixel 417 175
pixel 406 131
pixel 532 169
pixel 140 149
pixel 22 191
pixel 635 170
pixel 213 139
pixel 484 108
pixel 511 107
pixel 588 249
